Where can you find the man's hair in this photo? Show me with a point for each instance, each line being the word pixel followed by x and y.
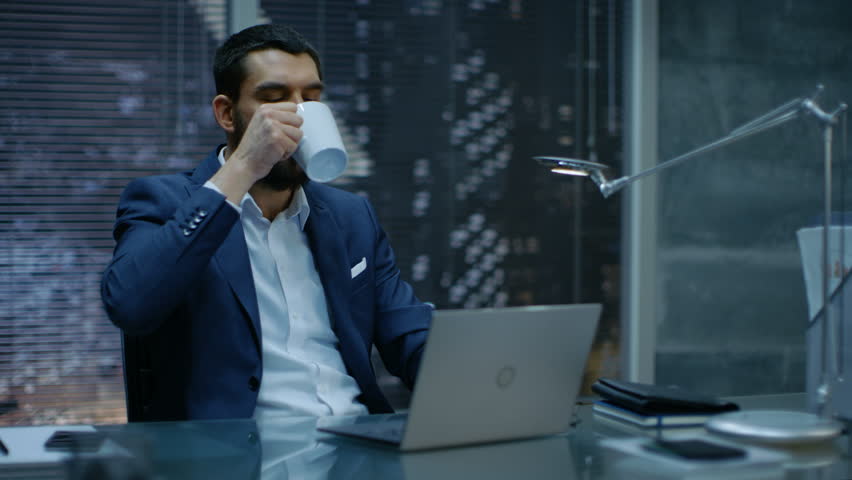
pixel 228 69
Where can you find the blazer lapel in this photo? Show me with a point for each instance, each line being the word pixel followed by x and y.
pixel 232 255
pixel 234 261
pixel 329 256
pixel 207 168
pixel 331 260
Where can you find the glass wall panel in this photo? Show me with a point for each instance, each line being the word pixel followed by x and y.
pixel 733 304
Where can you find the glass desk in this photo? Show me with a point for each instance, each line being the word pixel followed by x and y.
pixel 282 448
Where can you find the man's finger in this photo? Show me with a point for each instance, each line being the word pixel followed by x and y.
pixel 280 106
pixel 294 133
pixel 289 118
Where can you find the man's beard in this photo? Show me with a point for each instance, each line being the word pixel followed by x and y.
pixel 285 175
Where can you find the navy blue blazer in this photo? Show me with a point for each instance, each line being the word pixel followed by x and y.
pixel 180 277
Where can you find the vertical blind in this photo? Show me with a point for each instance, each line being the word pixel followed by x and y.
pixel 94 93
pixel 453 99
pixel 450 101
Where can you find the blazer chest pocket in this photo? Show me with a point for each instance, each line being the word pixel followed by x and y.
pixel 360 285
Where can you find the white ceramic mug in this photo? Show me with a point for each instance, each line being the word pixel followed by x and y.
pixel 320 154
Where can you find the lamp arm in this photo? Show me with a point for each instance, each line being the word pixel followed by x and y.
pixel 747 130
pixel 793 104
pixel 831 363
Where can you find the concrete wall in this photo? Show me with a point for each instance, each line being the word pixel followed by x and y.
pixel 733 307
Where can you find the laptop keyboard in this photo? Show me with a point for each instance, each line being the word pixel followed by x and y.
pixel 390 431
pixel 386 431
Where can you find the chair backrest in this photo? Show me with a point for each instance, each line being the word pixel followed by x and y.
pixel 137 378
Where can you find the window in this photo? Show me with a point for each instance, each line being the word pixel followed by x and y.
pixel 95 93
pixel 441 104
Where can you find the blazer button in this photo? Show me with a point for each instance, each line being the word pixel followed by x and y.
pixel 254 384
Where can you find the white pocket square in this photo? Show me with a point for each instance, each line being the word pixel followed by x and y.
pixel 359 267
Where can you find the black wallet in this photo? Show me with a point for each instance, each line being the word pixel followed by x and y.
pixel 75 441
pixel 655 400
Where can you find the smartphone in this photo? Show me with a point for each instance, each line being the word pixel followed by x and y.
pixel 695 449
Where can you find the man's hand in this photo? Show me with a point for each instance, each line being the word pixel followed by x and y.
pixel 271 136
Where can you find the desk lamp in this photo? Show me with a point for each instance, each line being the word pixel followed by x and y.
pixel 766 425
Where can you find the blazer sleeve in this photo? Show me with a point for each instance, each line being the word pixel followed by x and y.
pixel 402 321
pixel 165 237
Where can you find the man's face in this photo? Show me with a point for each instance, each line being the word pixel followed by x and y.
pixel 273 76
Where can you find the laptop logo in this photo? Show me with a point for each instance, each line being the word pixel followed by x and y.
pixel 505 377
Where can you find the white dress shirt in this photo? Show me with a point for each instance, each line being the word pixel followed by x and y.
pixel 303 372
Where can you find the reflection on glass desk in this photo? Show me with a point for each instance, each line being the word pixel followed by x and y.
pixel 282 448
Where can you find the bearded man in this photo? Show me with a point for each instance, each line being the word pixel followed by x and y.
pixel 253 289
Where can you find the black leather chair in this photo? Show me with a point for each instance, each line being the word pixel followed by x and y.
pixel 137 378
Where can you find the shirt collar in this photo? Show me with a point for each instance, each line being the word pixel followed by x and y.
pixel 298 205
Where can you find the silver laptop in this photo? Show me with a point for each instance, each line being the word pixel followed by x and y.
pixel 489 375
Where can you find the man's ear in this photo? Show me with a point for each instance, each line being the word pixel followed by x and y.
pixel 223 110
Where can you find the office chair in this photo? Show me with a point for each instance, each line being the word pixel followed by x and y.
pixel 137 377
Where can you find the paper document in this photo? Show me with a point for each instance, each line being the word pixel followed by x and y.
pixel 810 246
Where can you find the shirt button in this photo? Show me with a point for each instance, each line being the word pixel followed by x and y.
pixel 254 384
pixel 187 232
pixel 202 213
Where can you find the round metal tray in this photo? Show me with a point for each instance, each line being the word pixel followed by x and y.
pixel 775 426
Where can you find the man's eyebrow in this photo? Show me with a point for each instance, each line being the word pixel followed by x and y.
pixel 315 86
pixel 265 86
pixel 271 86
